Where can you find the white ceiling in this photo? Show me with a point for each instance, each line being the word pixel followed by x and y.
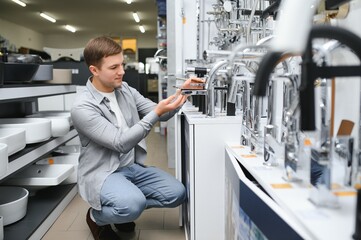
pixel 111 17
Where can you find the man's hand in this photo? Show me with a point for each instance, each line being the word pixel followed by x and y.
pixel 170 103
pixel 193 83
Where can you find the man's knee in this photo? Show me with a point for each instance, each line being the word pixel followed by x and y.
pixel 179 196
pixel 131 209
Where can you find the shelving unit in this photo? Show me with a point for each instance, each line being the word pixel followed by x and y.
pixel 21 92
pixel 46 205
pixel 152 87
pixel 162 44
pixel 162 74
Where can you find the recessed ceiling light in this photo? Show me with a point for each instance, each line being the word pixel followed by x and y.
pixel 128 1
pixel 141 28
pixel 47 17
pixel 70 28
pixel 136 17
pixel 19 2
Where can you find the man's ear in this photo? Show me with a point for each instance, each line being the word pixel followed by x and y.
pixel 93 69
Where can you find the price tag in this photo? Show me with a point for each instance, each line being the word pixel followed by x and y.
pixel 237 146
pixel 281 185
pixel 248 155
pixel 345 194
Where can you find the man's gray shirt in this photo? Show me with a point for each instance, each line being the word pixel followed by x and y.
pixel 104 146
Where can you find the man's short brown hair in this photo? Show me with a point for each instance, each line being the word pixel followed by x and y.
pixel 100 47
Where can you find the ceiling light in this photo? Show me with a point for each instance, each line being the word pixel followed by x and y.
pixel 20 3
pixel 141 28
pixel 136 17
pixel 129 1
pixel 70 28
pixel 48 17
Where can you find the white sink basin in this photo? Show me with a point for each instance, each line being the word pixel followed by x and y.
pixel 72 159
pixel 3 159
pixel 65 114
pixel 37 129
pixel 14 138
pixel 13 203
pixel 41 175
pixel 60 126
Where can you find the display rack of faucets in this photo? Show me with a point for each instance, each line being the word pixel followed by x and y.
pixel 221 71
pixel 273 93
pixel 241 21
pixel 309 154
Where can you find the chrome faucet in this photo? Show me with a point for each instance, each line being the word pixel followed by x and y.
pixel 210 86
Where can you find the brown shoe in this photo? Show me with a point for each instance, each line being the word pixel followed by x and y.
pixel 125 227
pixel 100 232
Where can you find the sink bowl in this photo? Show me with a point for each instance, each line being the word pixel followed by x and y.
pixel 14 138
pixel 3 159
pixel 60 126
pixel 72 159
pixel 13 203
pixel 17 72
pixel 41 175
pixel 65 114
pixel 36 129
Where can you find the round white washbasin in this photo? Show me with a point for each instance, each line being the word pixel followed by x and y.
pixel 65 114
pixel 60 126
pixel 14 138
pixel 36 129
pixel 13 203
pixel 4 161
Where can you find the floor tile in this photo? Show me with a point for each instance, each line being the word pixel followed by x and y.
pixel 129 236
pixel 176 234
pixel 68 235
pixel 79 223
pixel 150 220
pixel 171 219
pixel 65 220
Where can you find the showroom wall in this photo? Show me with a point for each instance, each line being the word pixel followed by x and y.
pixel 24 37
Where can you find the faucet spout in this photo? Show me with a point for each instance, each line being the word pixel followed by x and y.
pixel 310 71
pixel 265 69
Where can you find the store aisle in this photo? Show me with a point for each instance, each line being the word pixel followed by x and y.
pixel 153 224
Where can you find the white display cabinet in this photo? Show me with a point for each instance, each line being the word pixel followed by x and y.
pixel 200 166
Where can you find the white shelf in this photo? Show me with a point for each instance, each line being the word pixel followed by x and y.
pixel 37 152
pixel 29 91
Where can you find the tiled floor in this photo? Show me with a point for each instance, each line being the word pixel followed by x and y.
pixel 153 224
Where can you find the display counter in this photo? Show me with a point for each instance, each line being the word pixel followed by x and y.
pixel 200 166
pixel 271 205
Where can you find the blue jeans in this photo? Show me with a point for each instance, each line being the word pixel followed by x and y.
pixel 130 190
